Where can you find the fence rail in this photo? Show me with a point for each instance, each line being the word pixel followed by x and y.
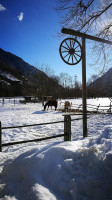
pixel 67 131
pixel 67 124
pixel 73 106
pixel 35 140
pixel 90 107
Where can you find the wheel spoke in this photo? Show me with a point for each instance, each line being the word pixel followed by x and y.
pixel 77 51
pixel 77 54
pixel 64 51
pixel 66 55
pixel 67 45
pixel 72 59
pixel 76 47
pixel 70 44
pixel 75 58
pixel 73 43
pixel 69 58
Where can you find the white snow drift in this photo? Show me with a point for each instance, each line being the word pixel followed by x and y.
pixel 54 169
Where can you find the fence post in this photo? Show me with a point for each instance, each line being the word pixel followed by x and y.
pixel 67 128
pixel 14 101
pixel 0 137
pixel 3 101
pixel 98 107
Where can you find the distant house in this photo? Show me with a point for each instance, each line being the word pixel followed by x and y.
pixel 9 79
pixel 9 85
pixel 29 99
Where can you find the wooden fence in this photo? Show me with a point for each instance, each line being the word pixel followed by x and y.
pixel 66 135
pixel 78 107
pixel 8 100
pixel 90 107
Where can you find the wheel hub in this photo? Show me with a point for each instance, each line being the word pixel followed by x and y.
pixel 71 51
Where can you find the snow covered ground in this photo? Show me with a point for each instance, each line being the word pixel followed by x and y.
pixel 54 169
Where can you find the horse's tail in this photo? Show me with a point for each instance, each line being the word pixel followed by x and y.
pixel 56 104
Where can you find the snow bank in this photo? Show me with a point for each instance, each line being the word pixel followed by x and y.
pixel 65 170
pixel 55 170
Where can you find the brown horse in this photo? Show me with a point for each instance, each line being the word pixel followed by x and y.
pixel 51 103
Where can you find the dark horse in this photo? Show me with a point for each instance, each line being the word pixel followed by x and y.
pixel 51 103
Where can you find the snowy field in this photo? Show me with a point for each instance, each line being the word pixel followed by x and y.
pixel 54 169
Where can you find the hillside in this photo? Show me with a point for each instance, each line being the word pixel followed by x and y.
pixel 106 79
pixel 102 86
pixel 18 64
pixel 31 81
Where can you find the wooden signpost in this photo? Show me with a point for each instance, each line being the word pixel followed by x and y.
pixel 71 53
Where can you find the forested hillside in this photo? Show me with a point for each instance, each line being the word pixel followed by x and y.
pixel 102 86
pixel 33 81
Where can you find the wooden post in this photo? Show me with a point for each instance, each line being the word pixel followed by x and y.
pixel 0 137
pixel 84 87
pixel 98 107
pixel 110 107
pixel 84 37
pixel 67 128
pixel 3 101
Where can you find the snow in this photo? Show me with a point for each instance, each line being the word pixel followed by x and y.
pixel 9 76
pixel 54 169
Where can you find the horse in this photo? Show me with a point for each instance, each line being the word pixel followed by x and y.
pixel 51 103
pixel 67 105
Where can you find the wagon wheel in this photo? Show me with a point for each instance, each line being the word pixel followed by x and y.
pixel 70 51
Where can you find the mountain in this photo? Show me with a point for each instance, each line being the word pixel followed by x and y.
pixel 17 77
pixel 106 79
pixel 19 64
pixel 103 85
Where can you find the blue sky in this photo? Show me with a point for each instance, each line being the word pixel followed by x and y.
pixel 28 29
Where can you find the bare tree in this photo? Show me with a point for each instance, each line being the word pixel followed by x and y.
pixel 92 17
pixel 45 68
pixel 65 80
pixel 87 15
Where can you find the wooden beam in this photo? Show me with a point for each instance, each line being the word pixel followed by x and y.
pixel 0 137
pixel 84 104
pixel 79 34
